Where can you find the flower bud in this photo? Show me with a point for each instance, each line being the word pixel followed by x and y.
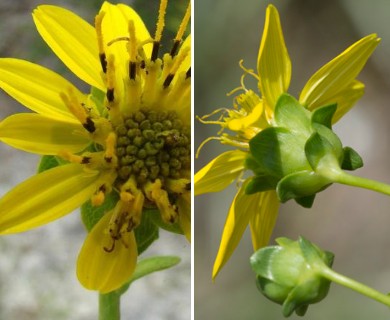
pixel 297 154
pixel 288 274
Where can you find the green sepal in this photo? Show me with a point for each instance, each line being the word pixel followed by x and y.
pixel 324 115
pixel 289 113
pixel 155 217
pixel 260 184
pixel 306 202
pixel 149 265
pixel 351 159
pixel 319 151
pixel 265 149
pixel 146 233
pixel 47 162
pixel 97 96
pixel 90 214
pixel 300 184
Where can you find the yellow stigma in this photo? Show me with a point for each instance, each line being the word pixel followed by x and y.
pixel 184 23
pixel 160 21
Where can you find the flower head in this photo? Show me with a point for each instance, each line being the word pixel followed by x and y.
pixel 130 137
pixel 334 83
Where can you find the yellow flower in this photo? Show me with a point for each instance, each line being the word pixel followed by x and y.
pixel 334 83
pixel 135 141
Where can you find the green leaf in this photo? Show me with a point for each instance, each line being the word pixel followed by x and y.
pixel 351 159
pixel 290 114
pixel 47 162
pixel 149 265
pixel 324 115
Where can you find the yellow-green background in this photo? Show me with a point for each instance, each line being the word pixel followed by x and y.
pixel 352 223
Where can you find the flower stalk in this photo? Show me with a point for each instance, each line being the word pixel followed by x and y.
pixel 109 305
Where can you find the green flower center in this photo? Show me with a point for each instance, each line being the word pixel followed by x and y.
pixel 153 145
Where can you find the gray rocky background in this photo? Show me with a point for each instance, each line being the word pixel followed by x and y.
pixel 37 268
pixel 353 223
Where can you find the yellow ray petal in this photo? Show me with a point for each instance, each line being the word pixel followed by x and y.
pixel 220 172
pixel 105 271
pixel 73 40
pixel 35 133
pixel 345 99
pixel 184 205
pixel 338 74
pixel 241 210
pixel 45 197
pixel 263 221
pixel 37 88
pixel 273 63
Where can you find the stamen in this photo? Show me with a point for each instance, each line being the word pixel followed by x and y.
pixel 78 110
pixel 159 29
pixel 73 158
pixel 178 186
pixel 182 29
pixel 110 79
pixel 132 50
pixel 110 147
pixel 188 73
pixel 99 33
pixel 203 143
pixel 155 193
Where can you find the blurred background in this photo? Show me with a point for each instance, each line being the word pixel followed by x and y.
pixel 352 223
pixel 37 268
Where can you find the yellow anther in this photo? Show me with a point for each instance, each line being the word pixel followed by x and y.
pixel 110 147
pixel 126 196
pixel 178 186
pixel 77 109
pixel 99 33
pixel 98 198
pixel 160 197
pixel 160 21
pixel 184 23
pixel 73 158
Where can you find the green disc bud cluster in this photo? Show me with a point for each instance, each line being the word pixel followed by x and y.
pixel 299 155
pixel 290 274
pixel 153 145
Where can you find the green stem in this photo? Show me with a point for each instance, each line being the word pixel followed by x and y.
pixel 354 285
pixel 360 182
pixel 109 306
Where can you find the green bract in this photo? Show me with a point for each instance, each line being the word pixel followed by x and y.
pixel 288 274
pixel 299 155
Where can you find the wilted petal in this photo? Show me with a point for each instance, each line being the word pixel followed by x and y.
pixel 241 211
pixel 262 222
pixel 338 74
pixel 45 197
pixel 37 88
pixel 73 40
pixel 273 64
pixel 105 271
pixel 35 133
pixel 220 172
